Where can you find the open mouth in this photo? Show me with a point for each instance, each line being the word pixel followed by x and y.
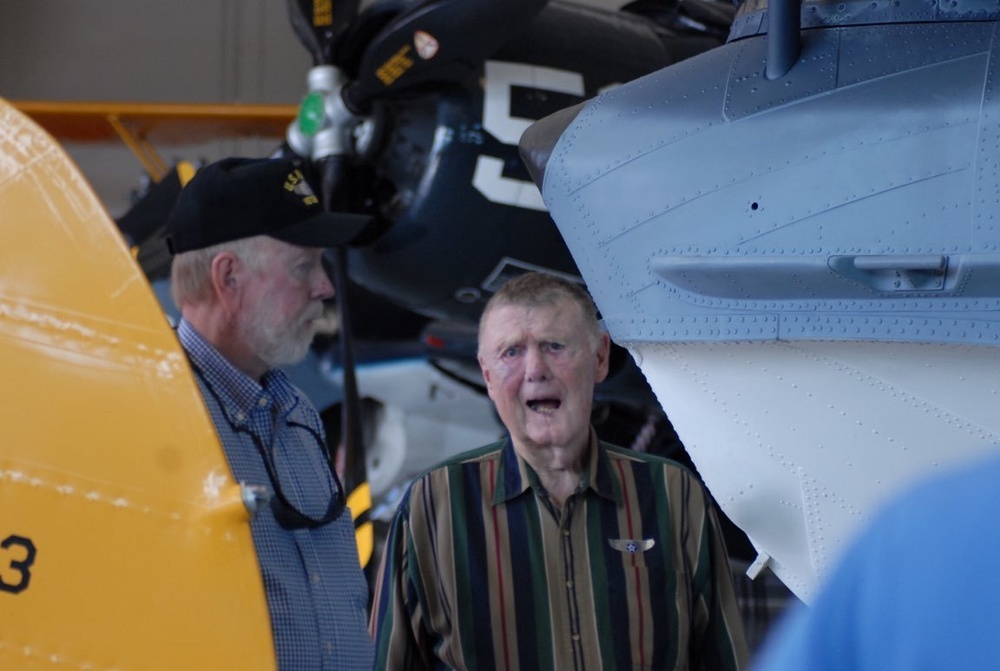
pixel 545 406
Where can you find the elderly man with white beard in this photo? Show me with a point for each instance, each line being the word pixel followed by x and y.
pixel 247 276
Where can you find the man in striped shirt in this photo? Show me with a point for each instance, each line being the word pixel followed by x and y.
pixel 550 549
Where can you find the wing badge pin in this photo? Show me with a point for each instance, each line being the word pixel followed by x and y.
pixel 632 545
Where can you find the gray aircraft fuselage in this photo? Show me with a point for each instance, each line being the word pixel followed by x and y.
pixel 796 236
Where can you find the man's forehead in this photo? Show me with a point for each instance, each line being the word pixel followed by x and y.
pixel 515 320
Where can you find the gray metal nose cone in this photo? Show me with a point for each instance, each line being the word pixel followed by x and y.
pixel 538 141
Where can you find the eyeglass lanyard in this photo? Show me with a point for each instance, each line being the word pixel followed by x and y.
pixel 285 513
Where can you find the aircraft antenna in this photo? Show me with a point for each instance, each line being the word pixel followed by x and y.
pixel 783 45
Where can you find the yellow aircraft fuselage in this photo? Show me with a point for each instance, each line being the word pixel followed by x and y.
pixel 124 541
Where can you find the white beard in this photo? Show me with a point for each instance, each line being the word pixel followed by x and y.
pixel 277 343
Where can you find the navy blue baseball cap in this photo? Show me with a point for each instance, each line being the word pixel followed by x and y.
pixel 239 198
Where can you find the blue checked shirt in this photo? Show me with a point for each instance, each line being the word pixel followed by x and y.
pixel 316 592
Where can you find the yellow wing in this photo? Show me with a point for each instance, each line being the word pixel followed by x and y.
pixel 142 126
pixel 124 543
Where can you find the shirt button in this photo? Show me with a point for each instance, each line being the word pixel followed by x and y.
pixel 262 402
pixel 569 583
pixel 576 637
pixel 565 532
pixel 240 417
pixel 315 578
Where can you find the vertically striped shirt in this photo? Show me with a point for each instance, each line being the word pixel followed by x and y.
pixel 481 570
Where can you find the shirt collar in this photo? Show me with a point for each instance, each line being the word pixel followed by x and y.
pixel 238 394
pixel 515 476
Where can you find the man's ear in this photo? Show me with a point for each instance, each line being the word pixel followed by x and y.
pixel 603 356
pixel 226 279
pixel 486 375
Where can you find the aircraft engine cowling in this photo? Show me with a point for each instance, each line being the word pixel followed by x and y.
pixel 460 209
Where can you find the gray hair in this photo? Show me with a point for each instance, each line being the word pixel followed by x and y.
pixel 535 289
pixel 191 272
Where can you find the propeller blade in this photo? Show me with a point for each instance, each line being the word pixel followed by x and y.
pixel 355 478
pixel 359 496
pixel 320 25
pixel 436 40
